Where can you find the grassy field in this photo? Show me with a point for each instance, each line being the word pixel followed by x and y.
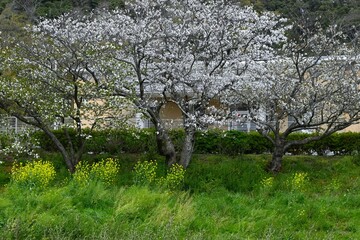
pixel 222 198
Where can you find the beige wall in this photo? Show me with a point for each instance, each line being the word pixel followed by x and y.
pixel 172 116
pixel 170 111
pixel 352 128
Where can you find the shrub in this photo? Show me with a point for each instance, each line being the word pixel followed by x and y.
pixel 234 142
pixel 104 171
pixel 145 172
pixel 257 143
pixel 174 179
pixel 132 140
pixel 82 173
pixel 207 141
pixel 48 145
pixel 37 174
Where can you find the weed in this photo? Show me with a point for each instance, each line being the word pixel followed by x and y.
pixel 36 174
pixel 298 181
pixel 174 179
pixel 145 175
pixel 145 172
pixel 104 171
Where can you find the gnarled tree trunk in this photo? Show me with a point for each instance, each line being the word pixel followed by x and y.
pixel 70 161
pixel 279 151
pixel 188 146
pixel 165 144
pixel 71 158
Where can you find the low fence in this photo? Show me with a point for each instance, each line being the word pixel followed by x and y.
pixel 12 124
pixel 15 125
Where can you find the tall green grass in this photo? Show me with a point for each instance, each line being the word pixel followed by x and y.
pixel 223 198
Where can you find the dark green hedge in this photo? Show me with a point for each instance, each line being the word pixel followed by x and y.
pixel 338 143
pixel 117 141
pixel 113 141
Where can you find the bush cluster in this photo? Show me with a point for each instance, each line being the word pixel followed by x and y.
pixel 115 141
pixel 104 171
pixel 145 174
pixel 174 179
pixel 344 143
pixel 36 174
pixel 112 141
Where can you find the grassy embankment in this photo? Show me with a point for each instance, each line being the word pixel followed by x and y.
pixel 223 198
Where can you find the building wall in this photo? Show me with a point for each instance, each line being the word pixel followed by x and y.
pixel 352 128
pixel 172 115
pixel 170 111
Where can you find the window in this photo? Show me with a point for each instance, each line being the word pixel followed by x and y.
pixel 241 123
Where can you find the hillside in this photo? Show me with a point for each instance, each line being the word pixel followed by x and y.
pixel 342 10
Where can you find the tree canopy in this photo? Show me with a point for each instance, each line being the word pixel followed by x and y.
pixel 47 78
pixel 153 52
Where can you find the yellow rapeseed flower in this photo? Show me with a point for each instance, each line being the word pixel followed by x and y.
pixel 36 174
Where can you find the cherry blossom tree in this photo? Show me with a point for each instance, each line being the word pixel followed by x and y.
pixel 152 53
pixel 185 52
pixel 49 79
pixel 312 85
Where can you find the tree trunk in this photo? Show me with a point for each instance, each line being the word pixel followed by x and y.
pixel 188 146
pixel 276 161
pixel 69 160
pixel 165 144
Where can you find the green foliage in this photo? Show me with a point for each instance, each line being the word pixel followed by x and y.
pixel 145 172
pixel 54 8
pixel 208 141
pixel 267 183
pixel 339 143
pixel 238 174
pixel 48 145
pixel 104 171
pixel 292 8
pixel 298 181
pixel 111 141
pixel 174 179
pixel 3 4
pixel 116 4
pixel 231 142
pixel 5 173
pixel 36 174
pixel 51 9
pixel 314 197
pixel 116 141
